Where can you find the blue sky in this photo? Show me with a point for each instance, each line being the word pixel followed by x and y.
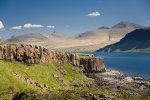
pixel 69 16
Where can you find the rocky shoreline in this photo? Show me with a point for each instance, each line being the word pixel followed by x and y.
pixel 113 79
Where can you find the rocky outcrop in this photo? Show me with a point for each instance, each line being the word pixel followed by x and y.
pixel 26 53
pixel 30 54
pixel 88 62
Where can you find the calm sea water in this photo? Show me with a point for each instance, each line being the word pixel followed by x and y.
pixel 129 63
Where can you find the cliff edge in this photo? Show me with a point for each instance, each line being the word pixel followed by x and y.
pixel 32 54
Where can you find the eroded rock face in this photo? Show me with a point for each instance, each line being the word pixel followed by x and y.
pixel 88 63
pixel 36 54
pixel 26 53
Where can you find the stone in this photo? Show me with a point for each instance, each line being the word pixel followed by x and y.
pixel 31 54
pixel 137 78
pixel 63 72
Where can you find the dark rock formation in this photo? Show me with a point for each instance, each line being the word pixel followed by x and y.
pixel 30 54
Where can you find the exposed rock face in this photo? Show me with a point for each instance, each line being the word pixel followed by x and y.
pixel 26 53
pixel 36 54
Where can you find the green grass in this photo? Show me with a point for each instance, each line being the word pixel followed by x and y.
pixel 85 56
pixel 71 74
pixel 11 85
pixel 42 73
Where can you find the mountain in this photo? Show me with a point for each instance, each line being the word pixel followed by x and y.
pixel 135 41
pixel 103 36
pixel 124 24
pixel 103 27
pixel 119 29
pixel 33 37
pixel 87 41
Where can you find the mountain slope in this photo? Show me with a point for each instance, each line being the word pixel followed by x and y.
pixel 27 38
pixel 135 41
pixel 104 36
pixel 119 30
pixel 87 41
pixel 124 24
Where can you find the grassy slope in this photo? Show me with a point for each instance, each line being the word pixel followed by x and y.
pixel 10 85
pixel 42 73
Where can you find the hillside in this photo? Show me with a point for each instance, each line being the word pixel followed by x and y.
pixel 28 38
pixel 135 41
pixel 124 24
pixel 116 32
pixel 87 41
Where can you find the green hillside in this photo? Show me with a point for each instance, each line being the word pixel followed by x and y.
pixel 42 73
pixel 72 84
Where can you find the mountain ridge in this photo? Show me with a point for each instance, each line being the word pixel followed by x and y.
pixel 135 41
pixel 124 24
pixel 87 41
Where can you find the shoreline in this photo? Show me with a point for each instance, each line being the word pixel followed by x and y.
pixel 125 74
pixel 113 79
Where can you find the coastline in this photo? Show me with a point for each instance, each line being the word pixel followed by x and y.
pixel 133 64
pixel 113 79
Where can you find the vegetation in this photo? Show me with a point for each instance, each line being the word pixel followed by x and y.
pixel 13 87
pixel 42 73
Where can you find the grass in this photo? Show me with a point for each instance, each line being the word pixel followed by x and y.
pixel 85 56
pixel 42 73
pixel 11 85
pixel 71 74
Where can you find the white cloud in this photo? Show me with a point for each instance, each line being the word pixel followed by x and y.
pixel 1 25
pixel 16 28
pixel 93 14
pixel 29 25
pixel 51 26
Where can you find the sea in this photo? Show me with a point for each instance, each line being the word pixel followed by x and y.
pixel 132 64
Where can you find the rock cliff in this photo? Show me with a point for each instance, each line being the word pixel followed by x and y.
pixel 30 54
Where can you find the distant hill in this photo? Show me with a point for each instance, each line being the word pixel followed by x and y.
pixel 135 41
pixel 87 41
pixel 33 37
pixel 103 27
pixel 124 24
pixel 116 32
pixel 2 39
pixel 105 36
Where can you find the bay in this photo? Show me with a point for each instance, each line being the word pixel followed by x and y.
pixel 133 64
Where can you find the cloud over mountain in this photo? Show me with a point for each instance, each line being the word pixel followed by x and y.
pixel 29 25
pixel 1 25
pixel 93 14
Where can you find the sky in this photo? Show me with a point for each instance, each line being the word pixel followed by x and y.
pixel 68 17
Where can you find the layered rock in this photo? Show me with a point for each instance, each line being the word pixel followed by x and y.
pixel 26 53
pixel 30 54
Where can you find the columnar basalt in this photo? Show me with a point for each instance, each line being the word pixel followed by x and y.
pixel 26 53
pixel 36 54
